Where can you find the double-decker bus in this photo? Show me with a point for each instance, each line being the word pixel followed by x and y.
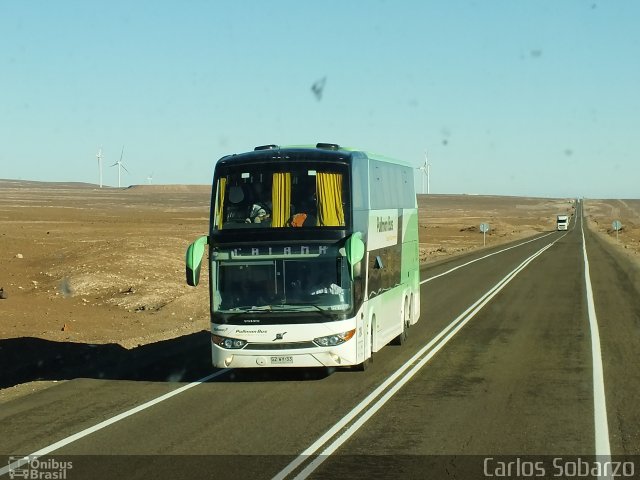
pixel 313 257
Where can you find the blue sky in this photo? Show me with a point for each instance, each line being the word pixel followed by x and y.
pixel 507 97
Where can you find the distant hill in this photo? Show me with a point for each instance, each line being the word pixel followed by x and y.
pixel 7 183
pixel 170 188
pixel 34 184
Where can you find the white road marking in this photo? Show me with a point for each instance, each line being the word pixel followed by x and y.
pixel 603 448
pixel 482 258
pixel 88 431
pixel 422 357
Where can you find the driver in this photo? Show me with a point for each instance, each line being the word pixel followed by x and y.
pixel 323 285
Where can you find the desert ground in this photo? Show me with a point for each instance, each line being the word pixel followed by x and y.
pixel 94 266
pixel 600 216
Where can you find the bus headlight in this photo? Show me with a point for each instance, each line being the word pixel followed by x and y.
pixel 228 343
pixel 335 339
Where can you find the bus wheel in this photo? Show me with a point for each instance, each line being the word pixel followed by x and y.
pixel 406 321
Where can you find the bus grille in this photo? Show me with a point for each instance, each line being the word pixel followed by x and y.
pixel 279 346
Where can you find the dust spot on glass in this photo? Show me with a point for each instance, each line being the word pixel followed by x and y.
pixel 446 133
pixel 65 287
pixel 318 88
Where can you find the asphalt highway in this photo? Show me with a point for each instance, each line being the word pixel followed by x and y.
pixel 522 365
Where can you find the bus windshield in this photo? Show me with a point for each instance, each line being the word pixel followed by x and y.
pixel 281 284
pixel 282 195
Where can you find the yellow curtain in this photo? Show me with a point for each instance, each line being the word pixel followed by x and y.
pixel 330 209
pixel 281 199
pixel 222 184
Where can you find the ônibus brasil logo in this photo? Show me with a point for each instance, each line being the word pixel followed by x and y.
pixel 35 468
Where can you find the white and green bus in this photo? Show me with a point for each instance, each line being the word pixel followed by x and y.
pixel 313 257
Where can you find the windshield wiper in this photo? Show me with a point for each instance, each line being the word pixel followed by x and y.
pixel 249 309
pixel 301 306
pixel 276 308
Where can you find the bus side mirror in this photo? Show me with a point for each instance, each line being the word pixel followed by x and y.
pixel 195 251
pixel 354 248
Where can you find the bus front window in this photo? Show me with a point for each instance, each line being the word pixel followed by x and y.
pixel 246 284
pixel 257 196
pixel 278 284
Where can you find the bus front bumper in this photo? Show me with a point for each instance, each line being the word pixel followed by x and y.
pixel 338 356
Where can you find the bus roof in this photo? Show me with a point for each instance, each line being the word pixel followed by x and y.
pixel 320 150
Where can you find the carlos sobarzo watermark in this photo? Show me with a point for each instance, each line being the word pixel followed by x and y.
pixel 38 468
pixel 560 467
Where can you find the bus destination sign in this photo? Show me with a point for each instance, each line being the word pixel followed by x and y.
pixel 313 250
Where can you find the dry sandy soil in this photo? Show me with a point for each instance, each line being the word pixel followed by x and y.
pixel 94 266
pixel 600 216
pixel 79 263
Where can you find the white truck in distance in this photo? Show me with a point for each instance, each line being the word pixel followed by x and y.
pixel 563 222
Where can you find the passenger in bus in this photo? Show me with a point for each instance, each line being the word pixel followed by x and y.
pixel 306 213
pixel 260 211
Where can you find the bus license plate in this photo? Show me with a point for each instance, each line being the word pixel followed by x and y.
pixel 281 360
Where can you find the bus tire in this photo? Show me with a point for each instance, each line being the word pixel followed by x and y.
pixel 406 321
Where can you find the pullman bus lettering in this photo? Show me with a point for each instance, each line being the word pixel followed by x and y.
pixel 385 225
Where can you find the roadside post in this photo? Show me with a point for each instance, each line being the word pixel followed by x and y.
pixel 617 226
pixel 484 228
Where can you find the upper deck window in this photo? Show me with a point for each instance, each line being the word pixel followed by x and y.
pixel 284 196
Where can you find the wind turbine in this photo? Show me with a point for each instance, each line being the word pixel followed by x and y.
pixel 425 169
pixel 150 179
pixel 99 155
pixel 120 165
